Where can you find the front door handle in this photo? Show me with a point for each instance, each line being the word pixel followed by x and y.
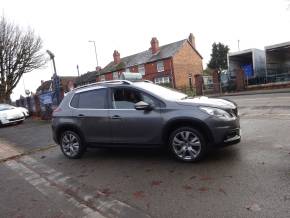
pixel 116 117
pixel 81 115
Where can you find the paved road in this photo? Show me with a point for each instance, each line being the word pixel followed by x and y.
pixel 251 179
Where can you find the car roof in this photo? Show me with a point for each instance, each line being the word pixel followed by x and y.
pixel 104 84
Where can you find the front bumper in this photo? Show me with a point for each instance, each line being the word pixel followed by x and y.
pixel 225 132
pixel 5 121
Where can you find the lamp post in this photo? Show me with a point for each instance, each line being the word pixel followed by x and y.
pixel 96 55
pixel 95 51
pixel 51 55
pixel 55 77
pixel 78 70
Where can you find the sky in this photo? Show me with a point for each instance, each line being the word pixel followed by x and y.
pixel 128 26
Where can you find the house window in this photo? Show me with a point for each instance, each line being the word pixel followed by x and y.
pixel 160 66
pixel 141 69
pixel 115 75
pixel 103 78
pixel 162 80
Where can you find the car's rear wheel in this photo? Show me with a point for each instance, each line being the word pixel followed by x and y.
pixel 71 145
pixel 187 144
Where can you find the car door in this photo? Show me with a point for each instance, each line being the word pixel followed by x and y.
pixel 131 126
pixel 92 114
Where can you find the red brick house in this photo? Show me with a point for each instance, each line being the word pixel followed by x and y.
pixel 175 63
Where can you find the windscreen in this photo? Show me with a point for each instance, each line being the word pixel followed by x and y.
pixel 162 92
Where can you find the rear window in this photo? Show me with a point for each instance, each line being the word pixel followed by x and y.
pixel 94 99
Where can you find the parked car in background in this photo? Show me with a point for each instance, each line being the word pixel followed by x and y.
pixel 142 114
pixel 11 114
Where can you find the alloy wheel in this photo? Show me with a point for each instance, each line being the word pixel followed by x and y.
pixel 70 144
pixel 186 145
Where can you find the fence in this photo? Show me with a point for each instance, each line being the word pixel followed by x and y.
pixel 271 77
pixel 41 105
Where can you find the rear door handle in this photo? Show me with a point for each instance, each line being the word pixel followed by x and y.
pixel 116 117
pixel 81 115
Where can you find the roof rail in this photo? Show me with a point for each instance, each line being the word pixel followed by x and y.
pixel 105 82
pixel 116 81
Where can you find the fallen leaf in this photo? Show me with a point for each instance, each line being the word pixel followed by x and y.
pixel 222 191
pixel 187 187
pixel 192 177
pixel 254 207
pixel 139 194
pixel 106 191
pixel 43 156
pixel 156 183
pixel 205 178
pixel 203 189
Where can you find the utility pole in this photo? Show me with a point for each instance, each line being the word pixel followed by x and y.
pixel 239 44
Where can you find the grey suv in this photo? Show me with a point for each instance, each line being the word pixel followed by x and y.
pixel 142 114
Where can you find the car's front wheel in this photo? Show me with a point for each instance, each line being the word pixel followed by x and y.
pixel 187 144
pixel 71 145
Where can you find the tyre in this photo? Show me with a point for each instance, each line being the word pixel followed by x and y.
pixel 187 144
pixel 71 145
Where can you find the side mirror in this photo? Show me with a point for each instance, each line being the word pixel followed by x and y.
pixel 141 105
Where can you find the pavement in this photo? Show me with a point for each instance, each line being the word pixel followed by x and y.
pixel 251 179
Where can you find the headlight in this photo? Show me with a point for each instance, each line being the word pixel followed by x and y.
pixel 217 112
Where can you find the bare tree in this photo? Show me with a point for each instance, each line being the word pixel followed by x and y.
pixel 20 52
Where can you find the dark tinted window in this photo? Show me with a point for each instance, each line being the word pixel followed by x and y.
pixel 95 99
pixel 75 101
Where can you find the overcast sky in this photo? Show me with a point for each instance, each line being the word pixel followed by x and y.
pixel 129 25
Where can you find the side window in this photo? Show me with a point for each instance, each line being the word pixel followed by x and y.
pixel 127 98
pixel 75 101
pixel 150 100
pixel 95 99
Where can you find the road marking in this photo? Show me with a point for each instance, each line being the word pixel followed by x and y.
pixel 52 192
pixel 86 195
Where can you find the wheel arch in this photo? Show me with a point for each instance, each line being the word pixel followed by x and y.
pixel 71 127
pixel 186 122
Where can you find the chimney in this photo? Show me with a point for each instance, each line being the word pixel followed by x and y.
pixel 98 68
pixel 42 81
pixel 116 56
pixel 191 39
pixel 154 45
